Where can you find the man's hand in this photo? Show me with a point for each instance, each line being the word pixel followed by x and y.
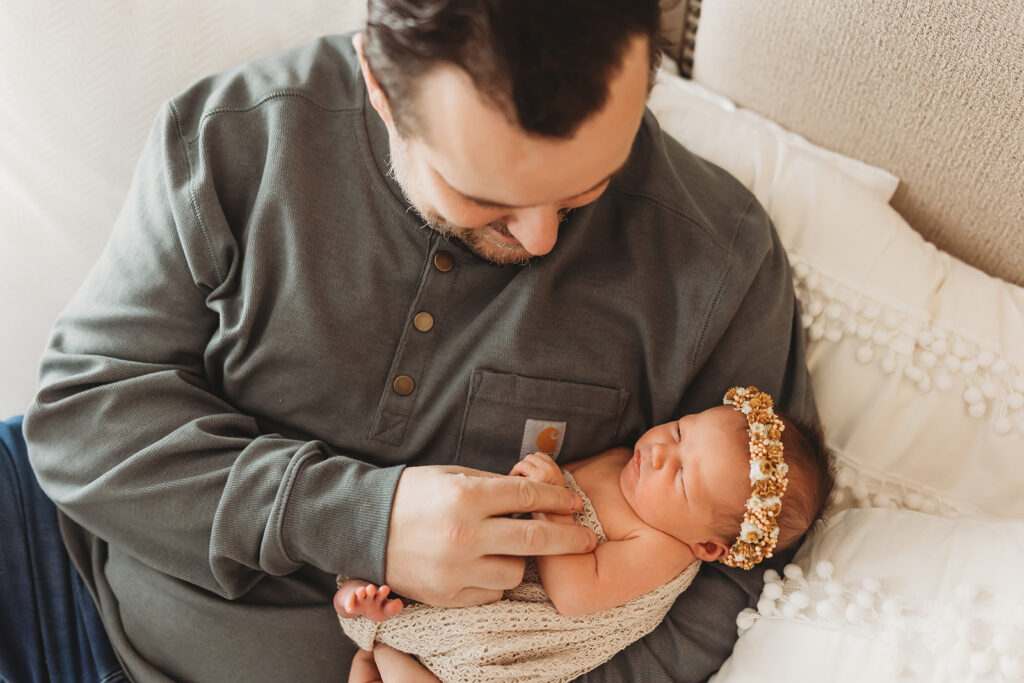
pixel 450 544
pixel 539 467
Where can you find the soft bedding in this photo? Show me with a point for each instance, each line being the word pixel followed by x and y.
pixel 917 361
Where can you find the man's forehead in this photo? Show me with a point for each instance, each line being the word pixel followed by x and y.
pixel 467 138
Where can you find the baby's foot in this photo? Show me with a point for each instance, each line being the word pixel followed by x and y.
pixel 358 598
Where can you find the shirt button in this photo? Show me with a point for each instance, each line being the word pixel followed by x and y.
pixel 423 321
pixel 404 385
pixel 443 261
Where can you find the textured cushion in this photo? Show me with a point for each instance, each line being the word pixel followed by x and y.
pixel 915 357
pixel 929 90
pixel 886 595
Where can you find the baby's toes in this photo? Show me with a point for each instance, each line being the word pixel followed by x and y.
pixel 392 607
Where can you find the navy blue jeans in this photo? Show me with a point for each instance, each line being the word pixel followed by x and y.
pixel 49 627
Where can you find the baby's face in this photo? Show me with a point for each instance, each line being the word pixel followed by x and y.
pixel 685 473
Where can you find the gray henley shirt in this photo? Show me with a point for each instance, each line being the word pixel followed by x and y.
pixel 218 419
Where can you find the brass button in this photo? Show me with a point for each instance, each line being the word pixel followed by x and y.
pixel 443 261
pixel 404 385
pixel 423 321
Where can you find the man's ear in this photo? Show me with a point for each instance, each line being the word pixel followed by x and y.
pixel 377 97
pixel 709 551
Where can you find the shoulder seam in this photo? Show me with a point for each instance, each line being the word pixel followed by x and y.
pixel 210 254
pixel 278 94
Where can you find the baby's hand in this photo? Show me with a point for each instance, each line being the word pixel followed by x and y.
pixel 539 467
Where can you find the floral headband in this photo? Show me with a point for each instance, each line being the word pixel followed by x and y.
pixel 760 529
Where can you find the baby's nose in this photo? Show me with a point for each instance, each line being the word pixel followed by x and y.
pixel 658 454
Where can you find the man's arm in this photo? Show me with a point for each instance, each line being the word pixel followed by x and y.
pixel 130 440
pixel 758 341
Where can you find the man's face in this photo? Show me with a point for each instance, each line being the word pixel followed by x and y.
pixel 472 174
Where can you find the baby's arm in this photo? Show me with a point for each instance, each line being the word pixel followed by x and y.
pixel 616 571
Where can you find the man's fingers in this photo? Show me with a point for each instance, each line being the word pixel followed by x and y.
pixel 498 572
pixel 506 495
pixel 506 536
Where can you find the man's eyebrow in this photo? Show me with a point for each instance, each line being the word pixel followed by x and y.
pixel 499 205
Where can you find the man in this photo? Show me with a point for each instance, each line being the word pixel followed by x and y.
pixel 355 280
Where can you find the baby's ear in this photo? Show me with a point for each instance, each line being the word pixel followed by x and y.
pixel 709 551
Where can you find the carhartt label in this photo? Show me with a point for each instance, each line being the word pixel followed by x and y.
pixel 542 436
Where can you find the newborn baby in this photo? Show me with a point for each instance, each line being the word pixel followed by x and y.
pixel 729 484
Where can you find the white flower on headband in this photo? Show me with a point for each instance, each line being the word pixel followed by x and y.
pixel 751 533
pixel 756 474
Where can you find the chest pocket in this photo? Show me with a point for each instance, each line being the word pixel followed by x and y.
pixel 500 404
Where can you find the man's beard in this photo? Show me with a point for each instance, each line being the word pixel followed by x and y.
pixel 500 254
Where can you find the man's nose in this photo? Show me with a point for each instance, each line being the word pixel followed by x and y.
pixel 536 228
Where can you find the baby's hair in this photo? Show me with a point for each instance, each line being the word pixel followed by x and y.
pixel 811 478
pixel 811 481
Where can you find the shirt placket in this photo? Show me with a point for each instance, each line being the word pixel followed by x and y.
pixel 406 377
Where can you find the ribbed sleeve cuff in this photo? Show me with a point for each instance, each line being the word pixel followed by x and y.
pixel 338 514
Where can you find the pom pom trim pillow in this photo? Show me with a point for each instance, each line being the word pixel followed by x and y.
pixel 916 358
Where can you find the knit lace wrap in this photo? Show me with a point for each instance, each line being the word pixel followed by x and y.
pixel 521 637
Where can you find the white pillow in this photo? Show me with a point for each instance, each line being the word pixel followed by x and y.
pixel 79 89
pixel 917 359
pixel 751 147
pixel 883 595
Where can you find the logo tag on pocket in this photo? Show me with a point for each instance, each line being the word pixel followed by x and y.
pixel 542 436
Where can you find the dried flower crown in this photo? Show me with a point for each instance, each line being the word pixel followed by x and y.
pixel 760 529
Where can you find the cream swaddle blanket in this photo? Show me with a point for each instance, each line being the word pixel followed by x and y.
pixel 521 637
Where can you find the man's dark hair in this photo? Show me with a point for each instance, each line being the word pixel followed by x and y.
pixel 545 63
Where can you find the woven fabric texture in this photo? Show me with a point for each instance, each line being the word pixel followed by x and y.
pixel 933 92
pixel 521 637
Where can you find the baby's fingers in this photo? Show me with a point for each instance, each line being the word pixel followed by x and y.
pixel 541 458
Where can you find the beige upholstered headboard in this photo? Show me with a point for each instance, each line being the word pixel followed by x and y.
pixel 931 91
